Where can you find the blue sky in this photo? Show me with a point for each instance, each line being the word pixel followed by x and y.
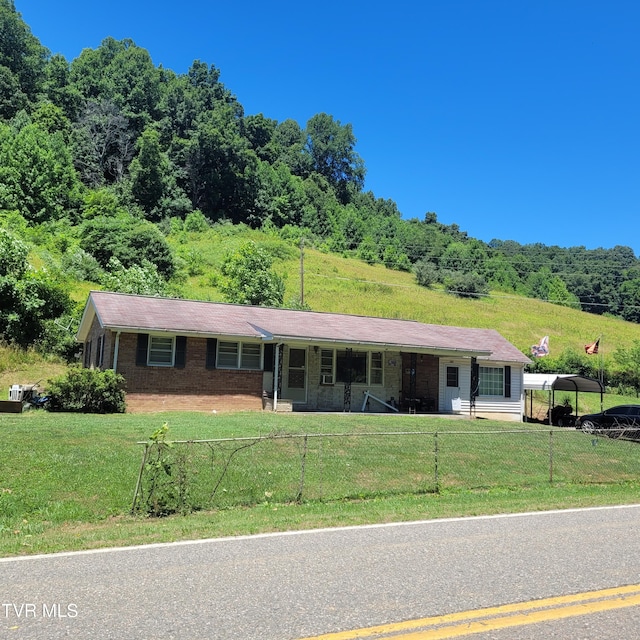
pixel 515 119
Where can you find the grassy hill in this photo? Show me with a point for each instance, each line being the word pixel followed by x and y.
pixel 346 285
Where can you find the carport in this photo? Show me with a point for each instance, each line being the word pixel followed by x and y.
pixel 553 382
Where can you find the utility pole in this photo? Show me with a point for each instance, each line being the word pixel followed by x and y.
pixel 302 272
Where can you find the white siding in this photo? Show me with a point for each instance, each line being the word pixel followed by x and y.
pixel 511 408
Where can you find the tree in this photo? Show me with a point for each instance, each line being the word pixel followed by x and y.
pixel 12 98
pixel 28 299
pixel 394 258
pixel 500 274
pixel 320 209
pixel 628 361
pixel 544 285
pixel 250 278
pixel 259 132
pixel 331 147
pixel 22 61
pixel 149 171
pixel 630 291
pixel 59 89
pixel 37 174
pixel 186 97
pixel 221 168
pixel 122 73
pixel 280 196
pixel 103 143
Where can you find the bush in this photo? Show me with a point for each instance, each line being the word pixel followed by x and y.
pixel 196 222
pixel 87 391
pixel 466 285
pixel 426 273
pixel 81 266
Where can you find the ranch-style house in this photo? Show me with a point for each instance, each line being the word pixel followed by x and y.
pixel 180 354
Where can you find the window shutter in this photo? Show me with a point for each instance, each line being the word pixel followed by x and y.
pixel 212 346
pixel 181 352
pixel 87 354
pixel 141 351
pixel 507 382
pixel 269 351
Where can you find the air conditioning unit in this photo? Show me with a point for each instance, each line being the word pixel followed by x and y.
pixel 327 378
pixel 16 393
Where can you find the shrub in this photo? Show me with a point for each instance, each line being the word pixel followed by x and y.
pixel 81 265
pixel 466 285
pixel 426 273
pixel 196 222
pixel 87 391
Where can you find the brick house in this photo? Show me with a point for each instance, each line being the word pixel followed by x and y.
pixel 190 355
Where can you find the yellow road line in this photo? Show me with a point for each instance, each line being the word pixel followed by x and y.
pixel 501 617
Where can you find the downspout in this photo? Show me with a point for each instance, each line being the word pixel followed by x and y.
pixel 115 352
pixel 276 375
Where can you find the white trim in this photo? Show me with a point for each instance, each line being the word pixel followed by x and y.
pixel 173 351
pixel 116 352
pixel 239 347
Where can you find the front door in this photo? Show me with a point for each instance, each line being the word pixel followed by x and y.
pixel 295 383
pixel 452 389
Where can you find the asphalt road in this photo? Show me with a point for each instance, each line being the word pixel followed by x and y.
pixel 304 584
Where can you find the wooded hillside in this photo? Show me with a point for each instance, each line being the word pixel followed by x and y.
pixel 109 165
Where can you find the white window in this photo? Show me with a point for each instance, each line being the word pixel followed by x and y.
pixel 326 366
pixel 161 349
pixel 100 353
pixel 375 370
pixel 250 356
pixel 491 381
pixel 239 355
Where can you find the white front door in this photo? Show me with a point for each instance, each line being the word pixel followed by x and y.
pixel 295 381
pixel 452 388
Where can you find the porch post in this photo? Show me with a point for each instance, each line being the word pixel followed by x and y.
pixel 276 376
pixel 115 353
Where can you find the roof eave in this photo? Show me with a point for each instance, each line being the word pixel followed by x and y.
pixel 85 322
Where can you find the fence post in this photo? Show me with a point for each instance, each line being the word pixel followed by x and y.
pixel 139 482
pixel 435 466
pixel 304 459
pixel 550 457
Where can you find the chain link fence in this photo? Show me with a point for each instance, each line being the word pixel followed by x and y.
pixel 183 476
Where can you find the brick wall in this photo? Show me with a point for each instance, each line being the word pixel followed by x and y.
pixel 192 388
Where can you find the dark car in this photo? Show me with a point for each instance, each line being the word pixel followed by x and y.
pixel 614 422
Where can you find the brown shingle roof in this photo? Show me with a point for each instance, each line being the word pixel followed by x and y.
pixel 125 312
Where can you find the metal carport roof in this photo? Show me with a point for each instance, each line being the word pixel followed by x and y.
pixel 553 382
pixel 561 382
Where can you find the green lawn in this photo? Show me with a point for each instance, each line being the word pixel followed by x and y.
pixel 67 481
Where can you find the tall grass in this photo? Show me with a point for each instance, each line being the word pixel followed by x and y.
pixel 347 285
pixel 20 366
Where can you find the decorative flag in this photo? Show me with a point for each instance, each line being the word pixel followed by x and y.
pixel 592 349
pixel 541 349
